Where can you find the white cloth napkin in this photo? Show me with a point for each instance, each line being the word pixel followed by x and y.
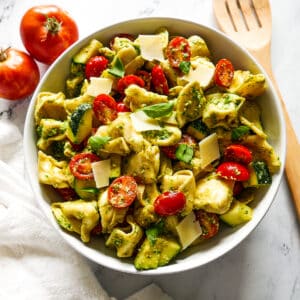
pixel 35 262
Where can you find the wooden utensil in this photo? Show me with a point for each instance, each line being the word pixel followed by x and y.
pixel 249 22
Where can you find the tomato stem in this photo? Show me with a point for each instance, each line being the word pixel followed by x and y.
pixel 3 53
pixel 52 25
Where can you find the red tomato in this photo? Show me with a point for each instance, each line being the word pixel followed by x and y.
pixel 68 194
pixel 122 191
pixel 170 151
pixel 146 76
pixel 81 165
pixel 209 223
pixel 19 74
pixel 97 230
pixel 233 171
pixel 169 203
pixel 238 153
pixel 46 31
pixel 120 35
pixel 121 107
pixel 159 80
pixel 237 188
pixel 105 108
pixel 78 147
pixel 224 73
pixel 178 50
pixel 127 80
pixel 95 66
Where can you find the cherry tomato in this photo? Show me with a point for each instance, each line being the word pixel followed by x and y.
pixel 122 191
pixel 121 107
pixel 170 151
pixel 146 76
pixel 46 31
pixel 105 108
pixel 159 80
pixel 169 203
pixel 233 171
pixel 237 188
pixel 178 50
pixel 81 165
pixel 224 73
pixel 120 35
pixel 97 230
pixel 209 223
pixel 19 74
pixel 95 66
pixel 127 80
pixel 68 194
pixel 238 153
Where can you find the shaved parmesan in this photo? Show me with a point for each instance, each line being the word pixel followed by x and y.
pixel 141 122
pixel 101 171
pixel 203 72
pixel 209 150
pixel 188 230
pixel 152 46
pixel 98 86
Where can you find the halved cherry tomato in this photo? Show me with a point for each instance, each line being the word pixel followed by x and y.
pixel 68 194
pixel 146 76
pixel 238 153
pixel 105 108
pixel 81 165
pixel 178 50
pixel 122 191
pixel 209 223
pixel 120 35
pixel 233 171
pixel 170 151
pixel 127 80
pixel 224 73
pixel 95 66
pixel 169 203
pixel 121 107
pixel 159 80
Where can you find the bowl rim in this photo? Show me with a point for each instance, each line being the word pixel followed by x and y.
pixel 183 265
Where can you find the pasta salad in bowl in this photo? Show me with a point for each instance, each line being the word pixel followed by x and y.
pixel 155 145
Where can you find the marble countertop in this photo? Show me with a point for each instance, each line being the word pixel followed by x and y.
pixel 267 264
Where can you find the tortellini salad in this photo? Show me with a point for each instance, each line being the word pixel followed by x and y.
pixel 153 145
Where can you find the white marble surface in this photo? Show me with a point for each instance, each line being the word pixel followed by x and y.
pixel 267 264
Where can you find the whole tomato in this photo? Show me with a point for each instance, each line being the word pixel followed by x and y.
pixel 46 31
pixel 19 74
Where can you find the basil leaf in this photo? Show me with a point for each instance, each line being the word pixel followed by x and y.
pixel 184 153
pixel 91 190
pixel 185 66
pixel 97 142
pixel 240 131
pixel 158 110
pixel 117 69
pixel 153 232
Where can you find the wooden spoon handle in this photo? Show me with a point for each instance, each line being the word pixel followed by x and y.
pixel 292 164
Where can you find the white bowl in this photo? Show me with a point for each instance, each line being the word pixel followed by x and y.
pixel 221 46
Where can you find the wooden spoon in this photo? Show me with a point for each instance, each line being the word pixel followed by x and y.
pixel 249 22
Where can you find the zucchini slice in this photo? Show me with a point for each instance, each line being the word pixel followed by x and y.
pixel 259 174
pixel 87 52
pixel 80 123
